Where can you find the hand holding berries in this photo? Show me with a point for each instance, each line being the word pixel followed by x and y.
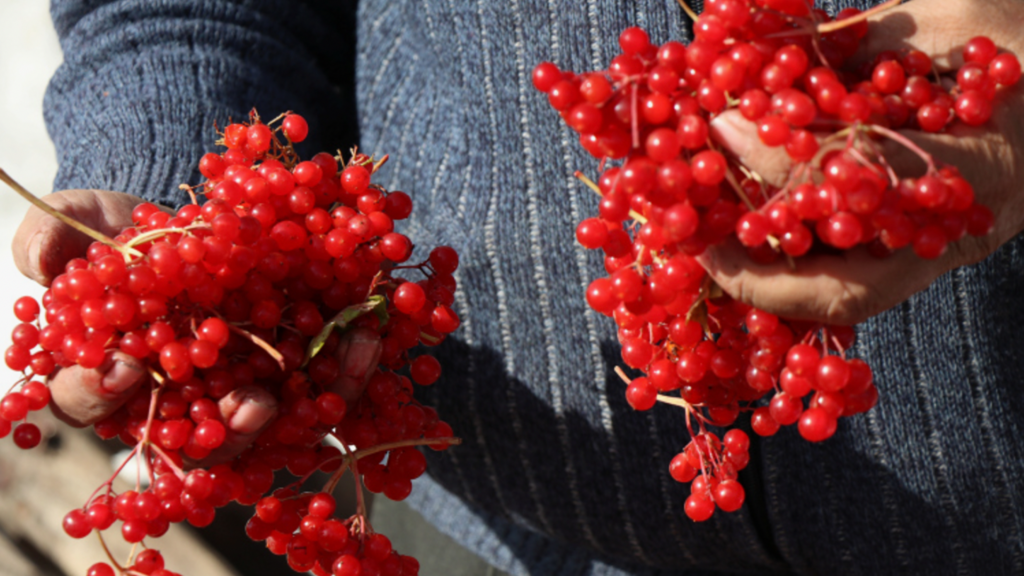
pixel 853 286
pixel 230 339
pixel 798 159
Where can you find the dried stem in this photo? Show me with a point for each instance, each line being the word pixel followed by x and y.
pixel 840 24
pixel 145 443
pixel 907 142
pixel 160 233
pixel 106 550
pixel 377 165
pixel 731 178
pixel 259 342
pixel 450 440
pixel 686 8
pixel 674 401
pixel 597 189
pixel 622 374
pixel 167 460
pixel 360 500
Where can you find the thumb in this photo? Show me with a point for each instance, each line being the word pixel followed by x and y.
pixel 357 355
pixel 84 396
pixel 940 29
pixel 42 244
pixel 48 249
pixel 739 135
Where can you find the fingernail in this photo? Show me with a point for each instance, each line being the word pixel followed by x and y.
pixel 250 415
pixel 729 133
pixel 121 377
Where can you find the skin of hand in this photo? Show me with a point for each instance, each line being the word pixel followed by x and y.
pixel 43 245
pixel 851 287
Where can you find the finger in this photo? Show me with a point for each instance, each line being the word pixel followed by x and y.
pixel 941 28
pixel 358 354
pixel 43 244
pixel 246 411
pixel 841 289
pixel 84 396
pixel 739 135
pixel 989 157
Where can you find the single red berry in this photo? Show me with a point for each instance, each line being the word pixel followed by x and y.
pixel 641 395
pixel 258 138
pixel 545 76
pixel 355 179
pixel 816 425
pixel 27 436
pixel 409 297
pixel 634 40
pixel 729 495
pixel 76 524
pixel 980 49
pixel 708 167
pixel 1005 69
pixel 295 127
pixel 425 370
pixel 699 507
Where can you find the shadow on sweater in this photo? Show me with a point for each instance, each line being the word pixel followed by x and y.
pixel 842 511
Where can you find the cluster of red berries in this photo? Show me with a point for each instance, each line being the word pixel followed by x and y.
pixel 301 526
pixel 674 193
pixel 252 288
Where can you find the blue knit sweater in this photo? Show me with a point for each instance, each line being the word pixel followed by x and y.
pixel 558 475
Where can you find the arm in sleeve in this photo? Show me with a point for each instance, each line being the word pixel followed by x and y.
pixel 143 83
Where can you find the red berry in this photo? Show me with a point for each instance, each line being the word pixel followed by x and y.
pixel 816 425
pixel 545 75
pixel 27 436
pixel 729 495
pixel 699 507
pixel 295 127
pixel 425 370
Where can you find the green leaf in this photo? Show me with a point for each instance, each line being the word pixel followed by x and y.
pixel 376 304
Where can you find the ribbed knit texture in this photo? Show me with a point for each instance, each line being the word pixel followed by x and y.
pixel 557 475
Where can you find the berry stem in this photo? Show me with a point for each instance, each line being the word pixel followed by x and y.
pixel 95 235
pixel 156 234
pixel 377 165
pixel 106 550
pixel 590 184
pixel 364 521
pixel 167 460
pixel 731 178
pixel 259 342
pixel 840 24
pixel 451 440
pixel 145 442
pixel 674 401
pixel 907 142
pixel 686 8
pixel 622 375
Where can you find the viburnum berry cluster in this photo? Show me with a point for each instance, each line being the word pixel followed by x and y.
pixel 668 192
pixel 255 287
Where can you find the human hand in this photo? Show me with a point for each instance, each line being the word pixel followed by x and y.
pixel 43 245
pixel 853 286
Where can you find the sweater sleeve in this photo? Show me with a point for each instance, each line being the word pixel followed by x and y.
pixel 143 83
